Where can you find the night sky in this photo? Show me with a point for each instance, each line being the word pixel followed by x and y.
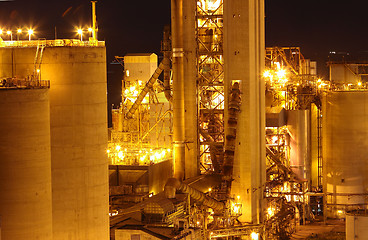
pixel 317 26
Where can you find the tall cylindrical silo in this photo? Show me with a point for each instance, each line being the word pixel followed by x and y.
pixel 345 159
pixel 78 118
pixel 78 108
pixel 25 164
pixel 244 62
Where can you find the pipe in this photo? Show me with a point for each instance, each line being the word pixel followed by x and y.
pixel 145 90
pixel 174 184
pixel 166 46
pixel 178 88
pixel 229 148
pixel 94 29
pixel 158 121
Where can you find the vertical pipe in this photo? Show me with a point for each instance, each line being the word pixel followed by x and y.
pixel 178 88
pixel 94 30
pixel 190 85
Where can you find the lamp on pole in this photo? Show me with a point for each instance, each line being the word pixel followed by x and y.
pixel 19 31
pixel 11 34
pixel 30 32
pixel 80 32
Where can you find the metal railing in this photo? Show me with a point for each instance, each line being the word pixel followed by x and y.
pixel 53 43
pixel 10 83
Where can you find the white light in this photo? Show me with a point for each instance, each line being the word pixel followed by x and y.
pixel 254 236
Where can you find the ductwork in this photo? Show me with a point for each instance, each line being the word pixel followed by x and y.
pixel 234 109
pixel 173 184
pixel 166 50
pixel 145 90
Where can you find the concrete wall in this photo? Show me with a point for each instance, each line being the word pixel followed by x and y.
pixel 356 226
pixel 25 165
pixel 78 119
pixel 244 61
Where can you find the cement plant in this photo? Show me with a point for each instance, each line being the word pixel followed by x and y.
pixel 224 138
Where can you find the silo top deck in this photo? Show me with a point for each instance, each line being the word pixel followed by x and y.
pixel 13 83
pixel 52 43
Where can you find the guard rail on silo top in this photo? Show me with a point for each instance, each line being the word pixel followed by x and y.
pixel 23 83
pixel 51 43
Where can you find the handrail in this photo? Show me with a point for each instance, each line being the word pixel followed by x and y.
pixel 52 43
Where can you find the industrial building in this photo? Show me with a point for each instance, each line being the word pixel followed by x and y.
pixel 222 139
pixel 254 165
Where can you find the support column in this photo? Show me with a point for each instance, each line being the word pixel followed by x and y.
pixel 244 61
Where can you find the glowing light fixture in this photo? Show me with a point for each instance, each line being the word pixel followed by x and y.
pixel 1 31
pixel 359 84
pixel 11 34
pixel 281 74
pixel 30 33
pixel 266 74
pixel 254 235
pixel 80 32
pixel 270 211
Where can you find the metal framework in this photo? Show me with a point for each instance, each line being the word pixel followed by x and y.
pixel 210 81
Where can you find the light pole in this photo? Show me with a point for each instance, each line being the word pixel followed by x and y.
pixel 11 34
pixel 80 32
pixel 90 30
pixel 19 31
pixel 30 32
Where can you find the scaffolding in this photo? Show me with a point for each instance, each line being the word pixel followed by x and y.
pixel 210 82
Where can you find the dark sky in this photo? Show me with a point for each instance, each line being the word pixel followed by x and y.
pixel 317 26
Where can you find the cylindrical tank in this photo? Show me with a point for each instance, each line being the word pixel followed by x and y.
pixel 345 144
pixel 299 127
pixel 78 117
pixel 356 224
pixel 25 164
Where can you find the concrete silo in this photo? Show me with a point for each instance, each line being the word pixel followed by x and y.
pixel 78 118
pixel 345 130
pixel 25 165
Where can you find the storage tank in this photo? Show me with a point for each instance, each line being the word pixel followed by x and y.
pixel 78 116
pixel 356 224
pixel 298 122
pixel 345 144
pixel 25 164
